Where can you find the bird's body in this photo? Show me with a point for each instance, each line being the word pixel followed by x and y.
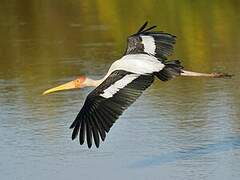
pixel 145 58
pixel 137 63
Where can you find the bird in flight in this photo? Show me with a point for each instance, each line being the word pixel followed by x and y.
pixel 145 58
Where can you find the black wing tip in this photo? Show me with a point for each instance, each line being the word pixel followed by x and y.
pixel 81 142
pixel 73 137
pixel 89 146
pixel 72 125
pixel 142 28
pixel 150 28
pixel 97 145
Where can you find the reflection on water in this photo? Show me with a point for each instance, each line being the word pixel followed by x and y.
pixel 187 128
pixel 190 154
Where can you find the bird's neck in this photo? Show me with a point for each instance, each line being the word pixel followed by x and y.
pixel 92 82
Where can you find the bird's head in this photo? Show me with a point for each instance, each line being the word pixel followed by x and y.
pixel 75 84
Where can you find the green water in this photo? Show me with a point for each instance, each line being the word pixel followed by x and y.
pixel 187 128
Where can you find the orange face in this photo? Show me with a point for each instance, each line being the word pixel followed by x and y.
pixel 77 83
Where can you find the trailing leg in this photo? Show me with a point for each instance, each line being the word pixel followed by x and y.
pixel 174 68
pixel 196 74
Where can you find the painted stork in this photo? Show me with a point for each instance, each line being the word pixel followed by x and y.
pixel 144 59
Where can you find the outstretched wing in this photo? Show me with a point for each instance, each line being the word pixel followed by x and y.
pixel 106 103
pixel 156 43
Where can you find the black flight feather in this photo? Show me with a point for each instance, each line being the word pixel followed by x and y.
pixel 98 113
pixel 162 42
pixel 142 27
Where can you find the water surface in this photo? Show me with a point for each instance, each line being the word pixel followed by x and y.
pixel 187 128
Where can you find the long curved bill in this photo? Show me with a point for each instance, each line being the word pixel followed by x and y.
pixel 66 86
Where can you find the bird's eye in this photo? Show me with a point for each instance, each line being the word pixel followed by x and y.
pixel 78 83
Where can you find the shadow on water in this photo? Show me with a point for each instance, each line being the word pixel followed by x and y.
pixel 228 144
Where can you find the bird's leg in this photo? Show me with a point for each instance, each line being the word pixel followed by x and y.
pixel 197 74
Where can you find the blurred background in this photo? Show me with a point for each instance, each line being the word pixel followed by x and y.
pixel 187 128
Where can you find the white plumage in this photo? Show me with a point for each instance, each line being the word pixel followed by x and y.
pixel 149 44
pixel 137 63
pixel 114 88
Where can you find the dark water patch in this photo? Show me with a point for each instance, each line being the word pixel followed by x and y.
pixel 228 144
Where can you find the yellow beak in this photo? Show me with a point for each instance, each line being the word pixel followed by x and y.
pixel 66 86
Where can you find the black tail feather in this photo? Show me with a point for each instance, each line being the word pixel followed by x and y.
pixel 171 70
